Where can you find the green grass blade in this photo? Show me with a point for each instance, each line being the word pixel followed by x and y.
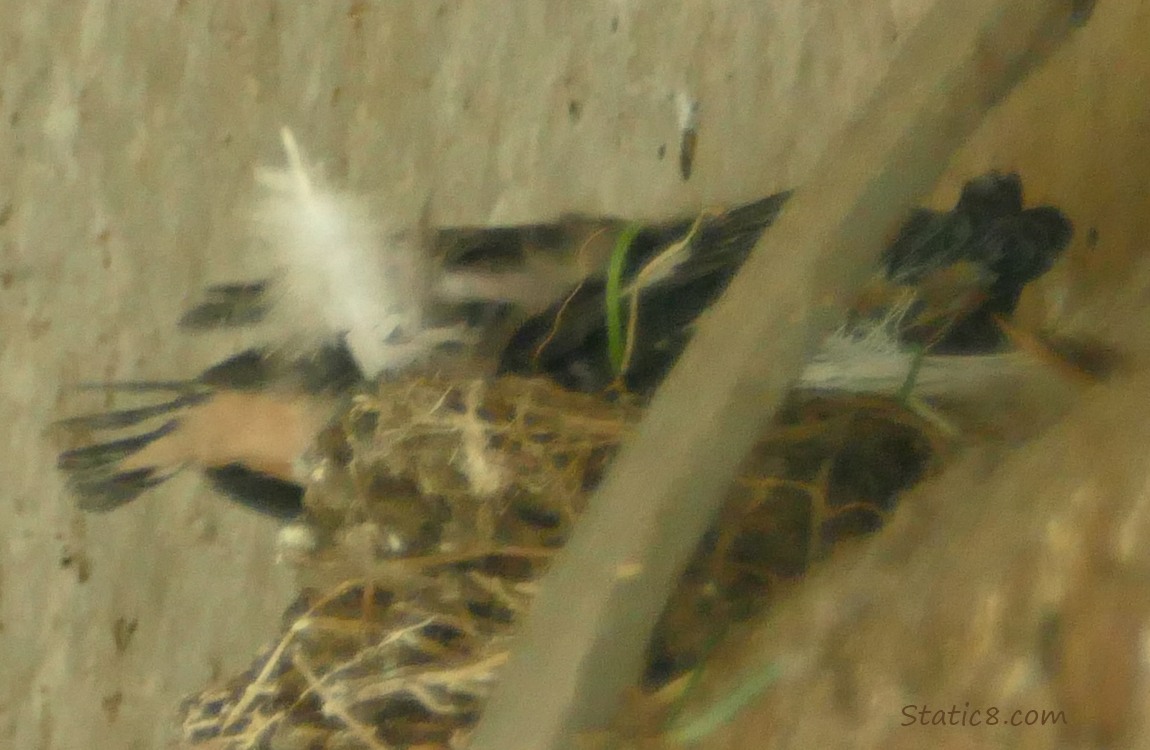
pixel 616 346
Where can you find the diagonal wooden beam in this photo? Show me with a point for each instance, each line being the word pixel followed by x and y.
pixel 583 641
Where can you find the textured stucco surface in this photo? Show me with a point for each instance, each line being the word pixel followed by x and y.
pixel 129 132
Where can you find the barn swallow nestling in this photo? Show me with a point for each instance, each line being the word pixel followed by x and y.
pixel 946 277
pixel 246 421
pixel 449 424
pixel 381 314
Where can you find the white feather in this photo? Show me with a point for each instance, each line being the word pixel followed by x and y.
pixel 851 365
pixel 343 270
pixel 868 358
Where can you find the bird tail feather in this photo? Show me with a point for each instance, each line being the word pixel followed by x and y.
pixel 98 447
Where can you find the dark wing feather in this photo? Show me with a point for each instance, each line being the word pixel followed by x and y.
pixel 1003 246
pixel 568 342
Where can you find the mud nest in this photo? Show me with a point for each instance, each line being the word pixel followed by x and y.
pixel 434 507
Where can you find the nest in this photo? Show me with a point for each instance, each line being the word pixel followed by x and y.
pixel 435 505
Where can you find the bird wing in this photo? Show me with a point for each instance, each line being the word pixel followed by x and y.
pixel 245 423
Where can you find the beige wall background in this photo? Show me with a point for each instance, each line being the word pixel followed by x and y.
pixel 129 132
